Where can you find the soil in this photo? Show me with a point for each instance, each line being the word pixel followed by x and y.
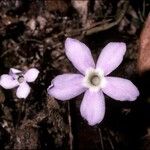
pixel 32 34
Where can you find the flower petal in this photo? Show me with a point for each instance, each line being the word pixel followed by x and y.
pixel 7 82
pixel 120 89
pixel 79 54
pixel 66 86
pixel 31 75
pixel 14 72
pixel 93 107
pixel 23 90
pixel 111 56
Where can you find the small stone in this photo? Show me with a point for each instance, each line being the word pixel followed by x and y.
pixel 32 24
pixel 42 22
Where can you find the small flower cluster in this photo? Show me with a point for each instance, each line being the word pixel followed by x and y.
pixel 17 78
pixel 93 79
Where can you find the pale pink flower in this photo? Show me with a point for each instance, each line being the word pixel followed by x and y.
pixel 93 79
pixel 17 78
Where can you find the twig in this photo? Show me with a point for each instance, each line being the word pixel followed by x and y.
pixel 30 40
pixel 101 139
pixel 22 105
pixel 106 25
pixel 110 142
pixel 70 128
pixel 6 52
pixel 109 134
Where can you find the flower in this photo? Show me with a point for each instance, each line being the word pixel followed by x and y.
pixel 17 78
pixel 93 79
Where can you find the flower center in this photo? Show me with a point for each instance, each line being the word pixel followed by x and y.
pixel 21 78
pixel 95 80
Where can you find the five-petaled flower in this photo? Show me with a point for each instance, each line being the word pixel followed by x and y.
pixel 17 78
pixel 93 79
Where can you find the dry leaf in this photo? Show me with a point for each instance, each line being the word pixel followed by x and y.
pixel 144 51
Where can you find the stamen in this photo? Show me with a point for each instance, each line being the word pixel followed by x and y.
pixel 95 80
pixel 20 78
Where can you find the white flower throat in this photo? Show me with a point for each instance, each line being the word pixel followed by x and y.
pixel 94 79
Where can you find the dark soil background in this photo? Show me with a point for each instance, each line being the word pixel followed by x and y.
pixel 32 34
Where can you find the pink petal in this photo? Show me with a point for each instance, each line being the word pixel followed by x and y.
pixel 31 75
pixel 66 86
pixel 93 107
pixel 23 90
pixel 79 54
pixel 14 72
pixel 111 56
pixel 120 89
pixel 7 82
